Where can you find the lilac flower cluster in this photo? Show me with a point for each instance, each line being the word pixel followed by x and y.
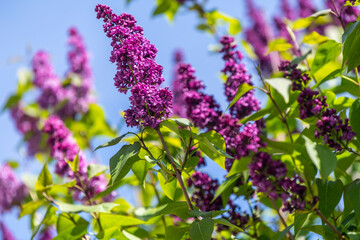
pixel 306 8
pixel 132 52
pixel 176 88
pixel 13 191
pixel 149 105
pixel 136 69
pixel 269 177
pixel 205 188
pixel 298 78
pixel 78 95
pixel 234 216
pixel 348 14
pixel 311 103
pixel 205 112
pixel 47 81
pixel 236 75
pixel 258 35
pixel 334 131
pixel 63 148
pixel 201 108
pixel 27 126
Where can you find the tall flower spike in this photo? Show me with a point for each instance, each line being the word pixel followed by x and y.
pixel 64 148
pixel 78 94
pixel 132 52
pixel 13 191
pixel 236 75
pixel 259 39
pixel 177 88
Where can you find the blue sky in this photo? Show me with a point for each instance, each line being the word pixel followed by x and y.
pixel 28 26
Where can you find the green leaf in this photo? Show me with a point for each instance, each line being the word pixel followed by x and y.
pixel 282 86
pixel 179 209
pixel 95 170
pixel 169 188
pixel 239 166
pixel 44 180
pixel 162 7
pixel 175 233
pixel 278 44
pixel 140 169
pixel 112 142
pixel 351 49
pixel 285 231
pixel 182 122
pixel 114 220
pixel 31 207
pixel 329 195
pixel 257 115
pixel 326 52
pixel 74 164
pixel 305 22
pixel 355 116
pixel 318 229
pixel 70 227
pixel 324 159
pixel 330 76
pixel 314 38
pixel 130 236
pixel 198 213
pixel 351 199
pixel 229 181
pixel 300 220
pixel 171 125
pixel 243 88
pixel 73 208
pixel 227 223
pixel 202 230
pixel 122 161
pixel 213 145
pixel 299 59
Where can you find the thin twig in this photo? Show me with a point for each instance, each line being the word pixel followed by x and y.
pixel 328 223
pixel 177 173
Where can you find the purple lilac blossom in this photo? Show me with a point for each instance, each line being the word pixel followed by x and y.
pixel 27 126
pixel 306 8
pixel 176 87
pixel 132 52
pixel 334 131
pixel 236 74
pixel 77 94
pixel 311 103
pixel 12 190
pixel 258 35
pixel 149 105
pixel 205 188
pixel 5 232
pixel 269 177
pixel 63 147
pixel 44 72
pixel 299 79
pixel 47 81
pixel 348 13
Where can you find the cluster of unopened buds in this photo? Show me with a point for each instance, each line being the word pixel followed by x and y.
pixel 334 131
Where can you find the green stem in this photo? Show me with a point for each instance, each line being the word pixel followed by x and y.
pixel 177 173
